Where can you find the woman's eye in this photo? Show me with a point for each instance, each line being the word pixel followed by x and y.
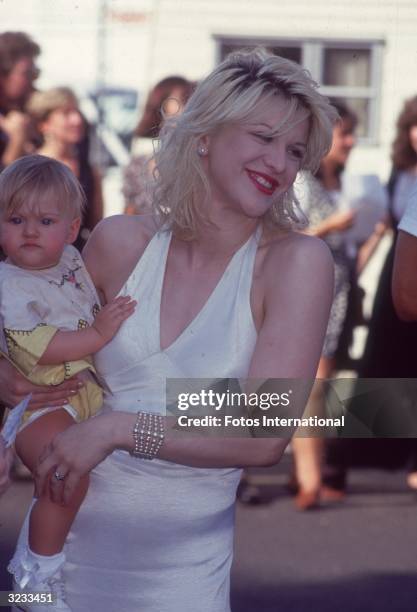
pixel 296 154
pixel 264 138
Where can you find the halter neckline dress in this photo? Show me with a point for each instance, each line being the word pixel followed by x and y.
pixel 155 536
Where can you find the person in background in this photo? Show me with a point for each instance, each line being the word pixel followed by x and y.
pixel 319 197
pixel 389 349
pixel 57 118
pixel 404 278
pixel 390 346
pixel 166 99
pixel 18 72
pixel 404 289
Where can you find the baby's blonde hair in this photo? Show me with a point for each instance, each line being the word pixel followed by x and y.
pixel 36 179
pixel 232 94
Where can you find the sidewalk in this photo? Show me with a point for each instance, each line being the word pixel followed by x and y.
pixel 353 557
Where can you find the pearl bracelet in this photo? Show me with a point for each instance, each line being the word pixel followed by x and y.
pixel 148 435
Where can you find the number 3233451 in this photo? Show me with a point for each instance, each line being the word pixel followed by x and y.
pixel 42 598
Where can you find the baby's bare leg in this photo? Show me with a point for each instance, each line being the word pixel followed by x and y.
pixel 49 522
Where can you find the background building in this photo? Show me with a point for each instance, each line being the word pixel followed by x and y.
pixel 363 51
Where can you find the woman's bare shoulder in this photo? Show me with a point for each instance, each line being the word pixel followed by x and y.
pixel 294 253
pixel 112 232
pixel 116 244
pixel 297 244
pixel 132 226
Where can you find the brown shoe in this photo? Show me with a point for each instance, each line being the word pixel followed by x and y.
pixel 307 500
pixel 412 480
pixel 331 495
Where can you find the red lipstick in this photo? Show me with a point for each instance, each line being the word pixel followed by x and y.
pixel 263 182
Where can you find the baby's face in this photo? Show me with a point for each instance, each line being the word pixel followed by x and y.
pixel 34 237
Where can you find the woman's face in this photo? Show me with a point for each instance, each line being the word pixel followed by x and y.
pixel 174 103
pixel 64 124
pixel 18 84
pixel 413 138
pixel 343 141
pixel 248 166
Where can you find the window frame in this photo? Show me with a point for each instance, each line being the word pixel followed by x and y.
pixel 312 58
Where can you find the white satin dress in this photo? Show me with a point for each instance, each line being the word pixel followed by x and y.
pixel 155 536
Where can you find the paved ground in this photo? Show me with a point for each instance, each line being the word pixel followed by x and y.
pixel 358 556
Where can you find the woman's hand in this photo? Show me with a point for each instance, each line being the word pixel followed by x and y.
pixel 14 387
pixel 6 460
pixel 16 125
pixel 72 454
pixel 340 221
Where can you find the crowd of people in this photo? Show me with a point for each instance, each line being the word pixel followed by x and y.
pixel 242 249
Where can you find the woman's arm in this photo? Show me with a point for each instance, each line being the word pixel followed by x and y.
pixel 97 210
pixel 404 277
pixel 368 248
pixel 113 250
pixel 337 222
pixel 14 387
pixel 298 293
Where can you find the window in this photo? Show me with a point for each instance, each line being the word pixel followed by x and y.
pixel 348 72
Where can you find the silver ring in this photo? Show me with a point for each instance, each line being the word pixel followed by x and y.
pixel 59 476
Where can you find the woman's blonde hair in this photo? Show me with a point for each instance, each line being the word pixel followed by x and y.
pixel 231 94
pixel 42 103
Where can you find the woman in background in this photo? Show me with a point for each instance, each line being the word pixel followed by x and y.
pixel 166 99
pixel 390 350
pixel 18 72
pixel 319 198
pixel 57 118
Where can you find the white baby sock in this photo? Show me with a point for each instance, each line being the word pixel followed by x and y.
pixel 30 569
pixel 47 565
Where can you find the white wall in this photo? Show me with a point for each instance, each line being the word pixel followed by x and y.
pixel 185 42
pixel 148 39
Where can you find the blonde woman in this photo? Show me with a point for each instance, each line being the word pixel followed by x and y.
pixel 225 288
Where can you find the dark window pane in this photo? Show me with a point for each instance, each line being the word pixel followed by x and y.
pixel 291 53
pixel 225 49
pixel 347 67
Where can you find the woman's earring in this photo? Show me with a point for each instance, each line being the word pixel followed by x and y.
pixel 202 150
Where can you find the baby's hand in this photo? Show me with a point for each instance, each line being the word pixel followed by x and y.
pixel 111 316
